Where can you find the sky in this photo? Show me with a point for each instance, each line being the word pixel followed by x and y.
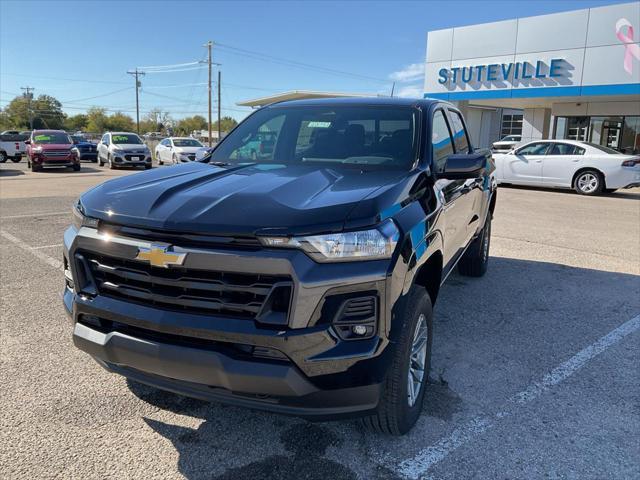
pixel 80 51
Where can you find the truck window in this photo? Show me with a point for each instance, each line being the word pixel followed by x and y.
pixel 460 137
pixel 442 145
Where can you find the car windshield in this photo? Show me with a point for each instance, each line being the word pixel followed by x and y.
pixel 510 138
pixel 51 138
pixel 186 142
pixel 365 137
pixel 602 148
pixel 125 138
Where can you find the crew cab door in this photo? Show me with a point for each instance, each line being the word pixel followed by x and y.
pixel 454 194
pixel 524 164
pixel 560 163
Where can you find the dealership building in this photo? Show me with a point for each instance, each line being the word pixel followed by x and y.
pixel 571 75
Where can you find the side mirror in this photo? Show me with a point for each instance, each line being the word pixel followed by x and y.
pixel 464 165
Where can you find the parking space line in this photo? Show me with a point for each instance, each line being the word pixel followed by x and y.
pixel 52 262
pixel 419 465
pixel 46 246
pixel 30 215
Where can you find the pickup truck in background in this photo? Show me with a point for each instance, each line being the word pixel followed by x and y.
pixel 299 281
pixel 12 146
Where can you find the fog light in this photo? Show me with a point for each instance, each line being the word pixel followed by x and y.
pixel 359 330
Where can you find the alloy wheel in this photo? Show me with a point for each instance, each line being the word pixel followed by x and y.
pixel 417 360
pixel 588 182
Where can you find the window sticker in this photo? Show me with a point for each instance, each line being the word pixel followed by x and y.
pixel 42 138
pixel 319 124
pixel 120 138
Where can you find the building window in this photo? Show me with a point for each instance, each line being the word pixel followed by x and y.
pixel 620 133
pixel 511 125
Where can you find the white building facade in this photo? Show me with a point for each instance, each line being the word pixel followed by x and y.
pixel 573 75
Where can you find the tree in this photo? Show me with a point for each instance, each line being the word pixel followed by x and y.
pixel 187 125
pixel 44 111
pixel 156 121
pixel 97 120
pixel 76 122
pixel 122 122
pixel 227 124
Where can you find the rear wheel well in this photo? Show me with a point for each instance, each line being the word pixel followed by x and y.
pixel 429 276
pixel 585 169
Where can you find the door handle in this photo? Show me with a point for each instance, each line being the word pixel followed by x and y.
pixel 538 161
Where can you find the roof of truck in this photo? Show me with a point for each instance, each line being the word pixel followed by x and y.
pixel 361 101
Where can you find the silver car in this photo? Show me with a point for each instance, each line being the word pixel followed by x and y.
pixel 123 149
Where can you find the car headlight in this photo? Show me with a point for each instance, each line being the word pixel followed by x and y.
pixel 374 244
pixel 37 150
pixel 80 219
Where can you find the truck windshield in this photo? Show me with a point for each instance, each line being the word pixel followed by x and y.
pixel 51 138
pixel 126 139
pixel 365 137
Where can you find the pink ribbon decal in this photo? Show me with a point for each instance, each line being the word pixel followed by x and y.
pixel 631 49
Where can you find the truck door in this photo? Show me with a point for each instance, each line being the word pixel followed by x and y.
pixel 453 226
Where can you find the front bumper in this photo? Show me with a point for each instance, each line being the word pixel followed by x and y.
pixel 88 156
pixel 318 375
pixel 131 159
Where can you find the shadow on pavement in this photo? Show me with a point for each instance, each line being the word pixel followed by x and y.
pixel 633 194
pixel 10 172
pixel 492 337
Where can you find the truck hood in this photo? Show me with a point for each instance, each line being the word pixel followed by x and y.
pixel 245 200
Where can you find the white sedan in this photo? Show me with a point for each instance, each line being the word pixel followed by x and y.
pixel 586 167
pixel 177 149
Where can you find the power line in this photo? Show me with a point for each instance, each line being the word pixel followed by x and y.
pixel 175 65
pixel 96 96
pixel 64 79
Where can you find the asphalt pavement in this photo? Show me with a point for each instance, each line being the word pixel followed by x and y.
pixel 534 372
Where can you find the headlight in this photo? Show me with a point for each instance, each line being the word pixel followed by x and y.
pixel 374 244
pixel 80 219
pixel 37 150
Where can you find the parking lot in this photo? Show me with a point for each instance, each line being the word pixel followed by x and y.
pixel 534 371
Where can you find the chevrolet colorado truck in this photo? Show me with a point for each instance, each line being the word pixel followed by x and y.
pixel 300 282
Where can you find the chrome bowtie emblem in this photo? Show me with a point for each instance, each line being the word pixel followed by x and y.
pixel 160 256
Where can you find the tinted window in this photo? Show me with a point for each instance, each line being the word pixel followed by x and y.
pixel 126 138
pixel 460 138
pixel 602 148
pixel 369 137
pixel 538 148
pixel 441 141
pixel 186 142
pixel 565 149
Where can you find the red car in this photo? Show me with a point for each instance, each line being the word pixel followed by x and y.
pixel 51 148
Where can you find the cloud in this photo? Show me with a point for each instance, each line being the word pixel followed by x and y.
pixel 410 73
pixel 411 91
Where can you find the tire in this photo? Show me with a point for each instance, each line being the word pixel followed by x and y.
pixel 160 162
pixel 100 162
pixel 35 168
pixel 395 414
pixel 589 182
pixel 76 168
pixel 475 260
pixel 147 166
pixel 3 157
pixel 16 159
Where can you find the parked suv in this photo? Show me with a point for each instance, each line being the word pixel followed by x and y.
pixel 51 148
pixel 123 149
pixel 302 282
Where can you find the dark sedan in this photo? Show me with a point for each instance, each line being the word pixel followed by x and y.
pixel 86 149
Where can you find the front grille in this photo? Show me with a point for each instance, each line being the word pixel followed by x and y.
pixel 192 157
pixel 238 295
pixel 138 156
pixel 56 153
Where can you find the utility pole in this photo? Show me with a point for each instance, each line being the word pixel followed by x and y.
pixel 219 100
pixel 135 74
pixel 29 96
pixel 210 62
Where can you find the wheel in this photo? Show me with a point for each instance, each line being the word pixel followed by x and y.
pixel 76 167
pixel 16 159
pixel 147 166
pixel 405 383
pixel 100 162
pixel 3 157
pixel 475 260
pixel 589 182
pixel 160 162
pixel 35 168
